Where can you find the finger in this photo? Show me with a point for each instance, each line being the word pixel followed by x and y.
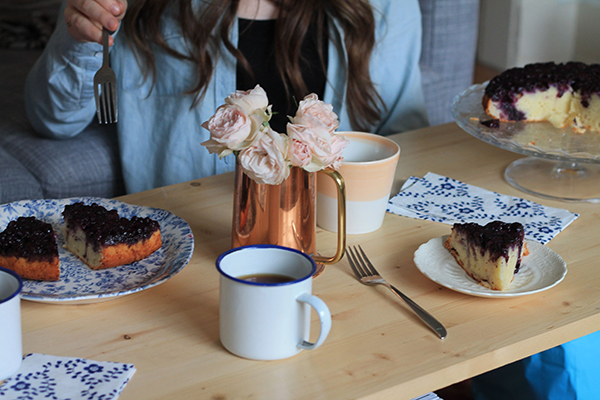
pixel 100 11
pixel 123 7
pixel 118 9
pixel 115 7
pixel 82 28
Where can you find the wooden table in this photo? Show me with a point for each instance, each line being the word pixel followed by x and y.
pixel 377 347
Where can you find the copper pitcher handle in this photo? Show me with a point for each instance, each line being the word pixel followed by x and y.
pixel 341 231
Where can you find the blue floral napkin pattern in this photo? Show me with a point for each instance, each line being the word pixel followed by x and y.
pixel 43 376
pixel 442 199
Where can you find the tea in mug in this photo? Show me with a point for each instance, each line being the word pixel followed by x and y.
pixel 266 278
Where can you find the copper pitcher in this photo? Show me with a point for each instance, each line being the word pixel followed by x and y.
pixel 284 214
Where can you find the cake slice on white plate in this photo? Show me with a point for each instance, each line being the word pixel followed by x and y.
pixel 489 254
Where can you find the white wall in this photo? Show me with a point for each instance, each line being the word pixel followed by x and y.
pixel 498 27
pixel 588 32
pixel 518 32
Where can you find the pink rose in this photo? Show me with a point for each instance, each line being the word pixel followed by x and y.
pixel 230 129
pixel 252 101
pixel 264 160
pixel 316 141
pixel 313 112
pixel 214 147
pixel 336 156
pixel 299 154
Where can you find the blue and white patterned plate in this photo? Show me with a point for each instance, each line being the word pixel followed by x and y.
pixel 78 283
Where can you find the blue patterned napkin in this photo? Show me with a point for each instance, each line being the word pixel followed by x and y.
pixel 441 199
pixel 49 377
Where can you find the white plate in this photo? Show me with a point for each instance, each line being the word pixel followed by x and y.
pixel 540 270
pixel 78 283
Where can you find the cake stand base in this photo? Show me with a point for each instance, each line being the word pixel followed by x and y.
pixel 556 180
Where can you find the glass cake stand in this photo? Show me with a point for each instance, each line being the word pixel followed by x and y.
pixel 561 164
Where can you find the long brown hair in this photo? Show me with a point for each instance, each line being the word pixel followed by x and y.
pixel 355 17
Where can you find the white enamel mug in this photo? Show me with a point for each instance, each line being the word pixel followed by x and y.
pixel 11 349
pixel 268 321
pixel 368 170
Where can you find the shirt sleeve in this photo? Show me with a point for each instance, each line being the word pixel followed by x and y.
pixel 395 66
pixel 59 93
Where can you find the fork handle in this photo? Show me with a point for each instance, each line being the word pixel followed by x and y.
pixel 433 323
pixel 104 47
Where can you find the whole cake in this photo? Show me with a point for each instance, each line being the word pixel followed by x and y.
pixel 28 247
pixel 563 94
pixel 490 254
pixel 103 239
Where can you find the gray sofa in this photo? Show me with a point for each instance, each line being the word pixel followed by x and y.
pixel 33 167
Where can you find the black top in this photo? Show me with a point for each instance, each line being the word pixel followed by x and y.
pixel 257 44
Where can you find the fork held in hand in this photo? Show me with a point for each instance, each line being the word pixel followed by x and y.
pixel 105 87
pixel 367 274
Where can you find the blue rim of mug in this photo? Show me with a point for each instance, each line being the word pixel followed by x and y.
pixel 266 246
pixel 19 289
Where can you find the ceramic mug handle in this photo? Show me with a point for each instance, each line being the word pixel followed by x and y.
pixel 341 240
pixel 324 316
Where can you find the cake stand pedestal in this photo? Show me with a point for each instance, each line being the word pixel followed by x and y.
pixel 556 180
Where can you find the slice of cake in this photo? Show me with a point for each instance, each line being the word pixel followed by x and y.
pixel 563 94
pixel 103 239
pixel 490 254
pixel 28 247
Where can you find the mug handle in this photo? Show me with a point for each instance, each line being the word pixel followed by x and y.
pixel 324 316
pixel 341 197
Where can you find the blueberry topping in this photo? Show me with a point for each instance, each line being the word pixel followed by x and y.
pixel 491 123
pixel 497 237
pixel 105 228
pixel 29 237
pixel 509 85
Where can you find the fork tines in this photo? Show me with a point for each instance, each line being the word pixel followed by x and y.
pixel 105 87
pixel 106 103
pixel 360 262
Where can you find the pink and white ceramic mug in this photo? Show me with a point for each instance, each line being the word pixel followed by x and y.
pixel 11 350
pixel 368 170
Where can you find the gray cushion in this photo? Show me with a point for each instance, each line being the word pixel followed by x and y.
pixel 87 165
pixel 82 166
pixel 16 182
pixel 448 53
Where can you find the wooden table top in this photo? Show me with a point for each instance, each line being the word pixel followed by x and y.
pixel 377 347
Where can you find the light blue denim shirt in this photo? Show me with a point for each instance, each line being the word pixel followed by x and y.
pixel 159 132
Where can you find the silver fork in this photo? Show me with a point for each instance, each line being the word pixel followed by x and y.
pixel 105 87
pixel 367 274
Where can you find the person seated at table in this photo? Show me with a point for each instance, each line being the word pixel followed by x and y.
pixel 177 60
pixel 566 372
